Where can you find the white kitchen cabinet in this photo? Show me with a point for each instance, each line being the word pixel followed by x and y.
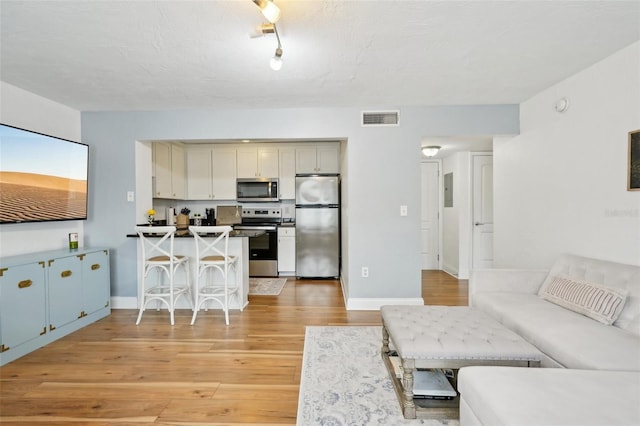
pixel 257 162
pixel 224 173
pixel 45 296
pixel 169 169
pixel 287 173
pixel 318 159
pixel 211 173
pixel 286 250
pixel 199 174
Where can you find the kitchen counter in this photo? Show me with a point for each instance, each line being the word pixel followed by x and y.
pixel 233 234
pixel 184 244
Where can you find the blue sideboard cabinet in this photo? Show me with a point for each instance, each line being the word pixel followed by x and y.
pixel 45 296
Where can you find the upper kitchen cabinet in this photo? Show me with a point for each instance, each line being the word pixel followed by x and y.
pixel 318 159
pixel 199 174
pixel 257 162
pixel 287 176
pixel 211 173
pixel 224 173
pixel 169 169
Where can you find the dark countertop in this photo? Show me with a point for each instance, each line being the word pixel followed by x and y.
pixel 187 234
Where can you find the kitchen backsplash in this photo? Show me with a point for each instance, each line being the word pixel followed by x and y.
pixel 160 205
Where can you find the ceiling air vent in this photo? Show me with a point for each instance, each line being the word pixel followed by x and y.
pixel 384 118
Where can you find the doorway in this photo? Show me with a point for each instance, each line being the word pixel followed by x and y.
pixel 463 229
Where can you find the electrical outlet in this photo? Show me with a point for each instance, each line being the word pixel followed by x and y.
pixel 131 196
pixel 403 210
pixel 365 272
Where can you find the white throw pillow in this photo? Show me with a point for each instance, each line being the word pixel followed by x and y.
pixel 596 301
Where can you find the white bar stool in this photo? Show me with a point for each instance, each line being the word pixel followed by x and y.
pixel 212 256
pixel 158 255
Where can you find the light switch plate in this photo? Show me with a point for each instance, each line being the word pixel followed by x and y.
pixel 131 196
pixel 403 210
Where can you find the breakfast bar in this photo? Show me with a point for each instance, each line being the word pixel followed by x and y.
pixel 184 244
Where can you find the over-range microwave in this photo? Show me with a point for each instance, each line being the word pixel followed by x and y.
pixel 257 189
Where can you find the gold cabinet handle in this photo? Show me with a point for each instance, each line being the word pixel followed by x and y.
pixel 4 348
pixel 44 331
pixel 65 274
pixel 25 283
pixel 95 266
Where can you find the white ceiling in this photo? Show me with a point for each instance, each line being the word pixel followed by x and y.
pixel 153 55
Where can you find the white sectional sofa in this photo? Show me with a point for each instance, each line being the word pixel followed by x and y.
pixel 583 315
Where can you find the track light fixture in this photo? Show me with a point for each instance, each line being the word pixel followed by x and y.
pixel 272 13
pixel 269 10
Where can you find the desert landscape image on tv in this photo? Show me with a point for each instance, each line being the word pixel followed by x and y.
pixel 42 178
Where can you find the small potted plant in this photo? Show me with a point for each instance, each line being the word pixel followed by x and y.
pixel 151 214
pixel 182 221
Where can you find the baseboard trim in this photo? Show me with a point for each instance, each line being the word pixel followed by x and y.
pixel 119 302
pixel 352 304
pixel 374 304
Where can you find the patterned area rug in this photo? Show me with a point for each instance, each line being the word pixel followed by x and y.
pixel 266 286
pixel 344 381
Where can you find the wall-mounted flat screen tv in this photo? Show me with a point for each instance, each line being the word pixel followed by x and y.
pixel 42 178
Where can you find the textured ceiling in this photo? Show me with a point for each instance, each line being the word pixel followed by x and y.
pixel 152 55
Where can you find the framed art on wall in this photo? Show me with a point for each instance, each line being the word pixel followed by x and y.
pixel 633 179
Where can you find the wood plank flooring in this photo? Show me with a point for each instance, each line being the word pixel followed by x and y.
pixel 247 373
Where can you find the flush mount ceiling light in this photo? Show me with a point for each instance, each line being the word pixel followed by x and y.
pixel 269 10
pixel 272 13
pixel 430 151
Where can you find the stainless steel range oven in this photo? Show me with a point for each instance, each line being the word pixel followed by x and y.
pixel 263 249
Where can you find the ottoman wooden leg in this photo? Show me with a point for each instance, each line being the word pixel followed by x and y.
pixel 408 406
pixel 385 340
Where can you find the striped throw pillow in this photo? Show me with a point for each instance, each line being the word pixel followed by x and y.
pixel 596 301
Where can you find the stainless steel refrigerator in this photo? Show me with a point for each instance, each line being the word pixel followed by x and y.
pixel 318 226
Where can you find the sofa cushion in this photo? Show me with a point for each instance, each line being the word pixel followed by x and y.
pixel 548 396
pixel 593 300
pixel 609 274
pixel 571 339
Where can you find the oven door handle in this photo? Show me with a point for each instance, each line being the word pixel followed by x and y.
pixel 255 228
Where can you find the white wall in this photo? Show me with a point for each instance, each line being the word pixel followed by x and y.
pixel 457 219
pixel 32 112
pixel 450 221
pixel 560 186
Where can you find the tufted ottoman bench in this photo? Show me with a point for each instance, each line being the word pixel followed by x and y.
pixel 446 337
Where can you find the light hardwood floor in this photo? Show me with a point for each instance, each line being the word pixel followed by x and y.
pixel 249 372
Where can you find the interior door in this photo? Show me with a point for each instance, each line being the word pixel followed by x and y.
pixel 482 211
pixel 429 235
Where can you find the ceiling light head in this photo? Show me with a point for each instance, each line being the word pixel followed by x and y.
pixel 430 151
pixel 276 61
pixel 262 30
pixel 269 10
